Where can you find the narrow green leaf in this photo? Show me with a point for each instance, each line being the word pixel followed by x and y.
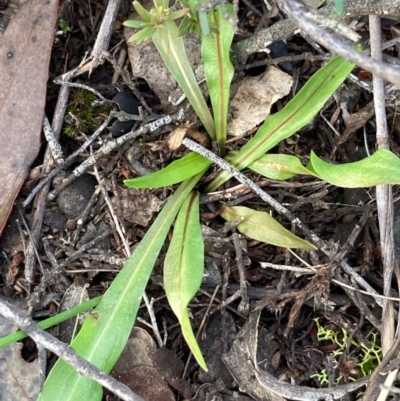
pixel 106 330
pixel 279 167
pixel 172 49
pixel 205 27
pixel 177 14
pixel 218 69
pixel 262 227
pixel 276 166
pixel 142 35
pixel 297 113
pixel 143 13
pixel 52 321
pixel 183 268
pixel 382 167
pixel 190 339
pixel 178 171
pixel 190 23
pixel 185 26
pixel 135 24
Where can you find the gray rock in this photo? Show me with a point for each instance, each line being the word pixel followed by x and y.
pixel 73 199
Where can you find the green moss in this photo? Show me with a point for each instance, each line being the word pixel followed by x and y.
pixel 81 117
pixel 366 359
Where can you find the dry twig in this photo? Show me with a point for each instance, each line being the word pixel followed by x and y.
pixel 327 40
pixel 41 199
pixel 384 202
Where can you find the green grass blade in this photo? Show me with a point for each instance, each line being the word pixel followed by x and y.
pixel 178 171
pixel 172 49
pixel 262 227
pixel 183 268
pixel 218 69
pixel 52 321
pixel 106 330
pixel 382 167
pixel 295 115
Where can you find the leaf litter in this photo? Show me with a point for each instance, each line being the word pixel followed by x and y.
pixel 25 49
pixel 290 318
pixel 20 380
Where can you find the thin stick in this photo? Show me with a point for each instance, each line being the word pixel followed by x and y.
pixel 384 204
pixel 284 28
pixel 153 320
pixel 112 212
pixel 31 239
pixel 384 196
pixel 338 26
pixel 383 70
pixel 52 142
pixel 85 87
pixel 113 144
pixel 41 199
pixel 244 306
pixel 105 32
pixel 35 296
pixel 68 161
pixel 295 269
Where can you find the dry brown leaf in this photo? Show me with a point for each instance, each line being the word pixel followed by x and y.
pixel 19 379
pixel 178 135
pixel 136 370
pixel 137 206
pixel 24 58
